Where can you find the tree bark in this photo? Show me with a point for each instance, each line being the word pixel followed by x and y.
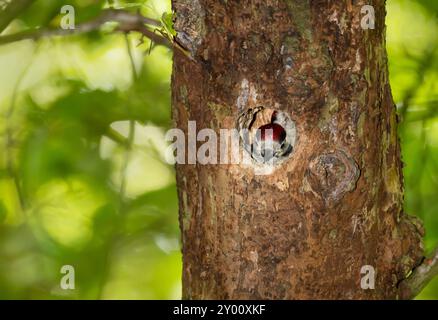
pixel 306 230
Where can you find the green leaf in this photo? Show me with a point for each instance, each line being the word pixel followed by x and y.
pixel 167 21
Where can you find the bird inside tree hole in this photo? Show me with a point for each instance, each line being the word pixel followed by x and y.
pixel 268 135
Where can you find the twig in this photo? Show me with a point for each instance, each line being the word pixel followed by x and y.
pixel 420 277
pixel 10 163
pixel 131 135
pixel 127 22
pixel 11 11
pixel 113 135
pixel 424 66
pixel 128 143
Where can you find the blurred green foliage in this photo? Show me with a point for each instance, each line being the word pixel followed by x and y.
pixel 413 63
pixel 73 193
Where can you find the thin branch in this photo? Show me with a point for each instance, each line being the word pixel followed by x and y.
pixel 123 181
pixel 157 39
pixel 424 63
pixel 116 137
pixel 131 58
pixel 10 163
pixel 420 277
pixel 11 10
pixel 127 22
pixel 131 136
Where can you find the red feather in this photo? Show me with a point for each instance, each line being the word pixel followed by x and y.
pixel 278 132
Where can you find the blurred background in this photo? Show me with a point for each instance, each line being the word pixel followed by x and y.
pixel 83 180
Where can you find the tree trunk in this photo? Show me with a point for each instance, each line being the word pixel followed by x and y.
pixel 335 205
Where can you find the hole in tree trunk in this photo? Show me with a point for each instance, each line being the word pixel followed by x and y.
pixel 268 135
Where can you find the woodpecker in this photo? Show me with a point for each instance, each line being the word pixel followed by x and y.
pixel 277 131
pixel 270 140
pixel 265 134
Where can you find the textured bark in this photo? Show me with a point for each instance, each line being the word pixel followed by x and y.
pixel 306 230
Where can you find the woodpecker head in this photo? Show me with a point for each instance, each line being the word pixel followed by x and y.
pixel 269 135
pixel 270 140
